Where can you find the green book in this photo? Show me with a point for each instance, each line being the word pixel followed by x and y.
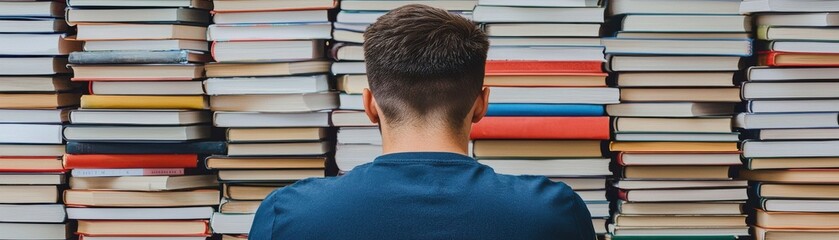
pixel 674 237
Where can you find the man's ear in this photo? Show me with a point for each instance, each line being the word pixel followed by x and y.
pixel 370 107
pixel 481 106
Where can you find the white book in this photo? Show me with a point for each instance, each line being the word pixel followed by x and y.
pixel 787 120
pixel 139 213
pixel 147 88
pixel 351 102
pixel 266 85
pixel 34 231
pixel 268 51
pixel 368 17
pixel 546 53
pixel 542 30
pixel 550 167
pixel 264 119
pixel 805 47
pixel 630 184
pixel 800 205
pixel 540 3
pixel 122 172
pixel 799 134
pixel 823 19
pixel 31 133
pixel 342 35
pixel 37 44
pixel 736 47
pixel 350 119
pixel 33 65
pixel 674 63
pixel 758 149
pixel 598 209
pixel 790 90
pixel 377 5
pixel 34 115
pixel 349 68
pixel 138 117
pixel 146 45
pixel 791 74
pixel 359 135
pixel 553 95
pixel 686 23
pixel 678 137
pixel 730 7
pixel 231 223
pixel 32 9
pixel 271 17
pixel 544 41
pixel 136 133
pixel 33 25
pixel 753 6
pixel 349 156
pixel 232 32
pixel 531 14
pixel 41 213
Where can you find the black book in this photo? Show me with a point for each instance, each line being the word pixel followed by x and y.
pixel 204 147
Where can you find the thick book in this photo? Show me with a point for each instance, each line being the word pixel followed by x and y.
pixel 705 172
pixel 155 228
pixel 271 31
pixel 789 59
pixel 32 179
pixel 807 176
pixel 139 117
pixel 484 13
pixel 671 109
pixel 278 149
pixel 724 47
pixel 266 69
pixel 38 100
pixel 144 183
pixel 685 23
pixel 19 150
pixel 667 35
pixel 498 67
pixel 791 90
pixel 347 52
pixel 202 147
pixel 677 237
pixel 202 4
pixel 140 213
pixel 672 125
pixel 37 44
pixel 72 161
pixel 683 195
pixel 35 230
pixel 34 133
pixel 138 57
pixel 359 135
pixel 267 85
pixel 32 213
pixel 249 191
pixel 35 65
pixel 83 133
pixel 673 147
pixel 267 51
pixel 239 206
pixel 287 175
pixel 36 84
pixel 231 223
pixel 271 120
pixel 306 102
pixel 554 95
pixel 227 162
pixel 140 72
pixel 550 167
pixel 31 164
pixel 796 191
pixel 350 102
pixel 486 149
pixel 731 94
pixel 271 16
pixel 290 134
pixel 138 15
pixel 352 84
pixel 535 109
pixel 758 149
pixel 801 220
pixel 339 118
pixel 49 116
pixel 26 194
pixel 94 32
pixel 110 198
pixel 676 79
pixel 663 158
pixel 349 156
pixel 340 68
pixel 143 102
pixel 541 128
pixel 792 162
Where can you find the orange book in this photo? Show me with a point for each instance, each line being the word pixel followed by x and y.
pixel 72 161
pixel 531 67
pixel 541 128
pixel 789 59
pixel 673 146
pixel 139 228
pixel 30 164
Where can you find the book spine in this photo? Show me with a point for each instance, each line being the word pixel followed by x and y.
pixel 127 172
pixel 130 57
pixel 204 148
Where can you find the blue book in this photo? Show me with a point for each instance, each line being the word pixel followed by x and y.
pixel 530 109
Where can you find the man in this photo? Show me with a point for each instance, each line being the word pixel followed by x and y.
pixel 425 69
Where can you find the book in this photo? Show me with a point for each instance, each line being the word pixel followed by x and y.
pixel 757 149
pixel 144 183
pixel 802 220
pixel 32 9
pixel 763 73
pixel 792 90
pixel 299 16
pixel 32 213
pixel 821 176
pixel 685 23
pixel 94 32
pixel 550 167
pixel 202 4
pixel 109 198
pixel 37 44
pixel 138 15
pixel 349 156
pixel 673 63
pixel 239 206
pixel 546 80
pixel 696 221
pixel 347 52
pixel 38 100
pixel 31 164
pixel 36 65
pixel 136 133
pixel 672 125
pixel 306 102
pixel 535 109
pixel 635 184
pixel 641 158
pixel 368 17
pixel 36 84
pixel 798 205
pixel 153 72
pixel 668 109
pixel 783 163
pixel 268 5
pixel 344 35
pixel 486 149
pixel 267 51
pixel 275 134
pixel 139 117
pixel 73 161
pixel 541 128
pixel 341 118
pixel 797 33
pixel 542 41
pixel 28 194
pixel 691 35
pixel 33 25
pixel 673 147
pixel 525 53
pixel 34 115
pixel 35 133
pixel 17 150
pixel 680 95
pixel 680 208
pixel 679 233
pixel 554 95
pixel 368 5
pixel 143 102
pixel 802 47
pixel 542 30
pixel 140 213
pixel 339 68
pixel 35 230
pixel 278 149
pixel 490 14
pixel 289 175
pixel 265 69
pixel 726 47
pixel 796 191
pixel 227 162
pixel 146 45
pixel 267 85
pixel 581 183
pixel 676 195
pixel 793 234
pixel 123 172
pixel 359 135
pixel 350 102
pixel 618 7
pixel 249 192
pixel 818 19
pixel 147 88
pixel 704 172
pixel 201 147
pixel 788 59
pixel 677 137
pixel 753 6
pixel 792 106
pixel 157 227
pixel 32 179
pixel 231 223
pixel 787 120
pixel 138 57
pixel 675 79
pixel 352 84
pixel 269 31
pixel 270 120
pixel 495 66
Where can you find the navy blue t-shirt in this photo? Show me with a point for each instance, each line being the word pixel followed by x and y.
pixel 423 195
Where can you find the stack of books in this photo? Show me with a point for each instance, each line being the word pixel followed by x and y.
pixel 134 145
pixel 792 154
pixel 676 63
pixel 35 92
pixel 547 96
pixel 270 91
pixel 359 140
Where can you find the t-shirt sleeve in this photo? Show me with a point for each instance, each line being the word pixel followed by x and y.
pixel 583 218
pixel 263 221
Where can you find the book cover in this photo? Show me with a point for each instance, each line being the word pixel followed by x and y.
pixel 541 128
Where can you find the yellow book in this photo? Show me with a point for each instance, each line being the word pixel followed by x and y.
pixel 673 147
pixel 143 102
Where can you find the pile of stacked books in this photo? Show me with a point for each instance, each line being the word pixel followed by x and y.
pixel 132 146
pixel 269 89
pixel 676 64
pixel 358 139
pixel 547 96
pixel 35 92
pixel 792 155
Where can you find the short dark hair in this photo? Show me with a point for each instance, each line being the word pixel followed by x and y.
pixel 423 61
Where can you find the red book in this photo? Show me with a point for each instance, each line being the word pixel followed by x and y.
pixel 530 67
pixel 794 59
pixel 541 128
pixel 72 161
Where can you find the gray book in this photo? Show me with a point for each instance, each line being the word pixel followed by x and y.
pixel 138 57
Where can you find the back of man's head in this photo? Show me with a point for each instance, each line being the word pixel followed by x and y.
pixel 425 66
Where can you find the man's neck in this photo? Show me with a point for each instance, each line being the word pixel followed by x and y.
pixel 419 139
